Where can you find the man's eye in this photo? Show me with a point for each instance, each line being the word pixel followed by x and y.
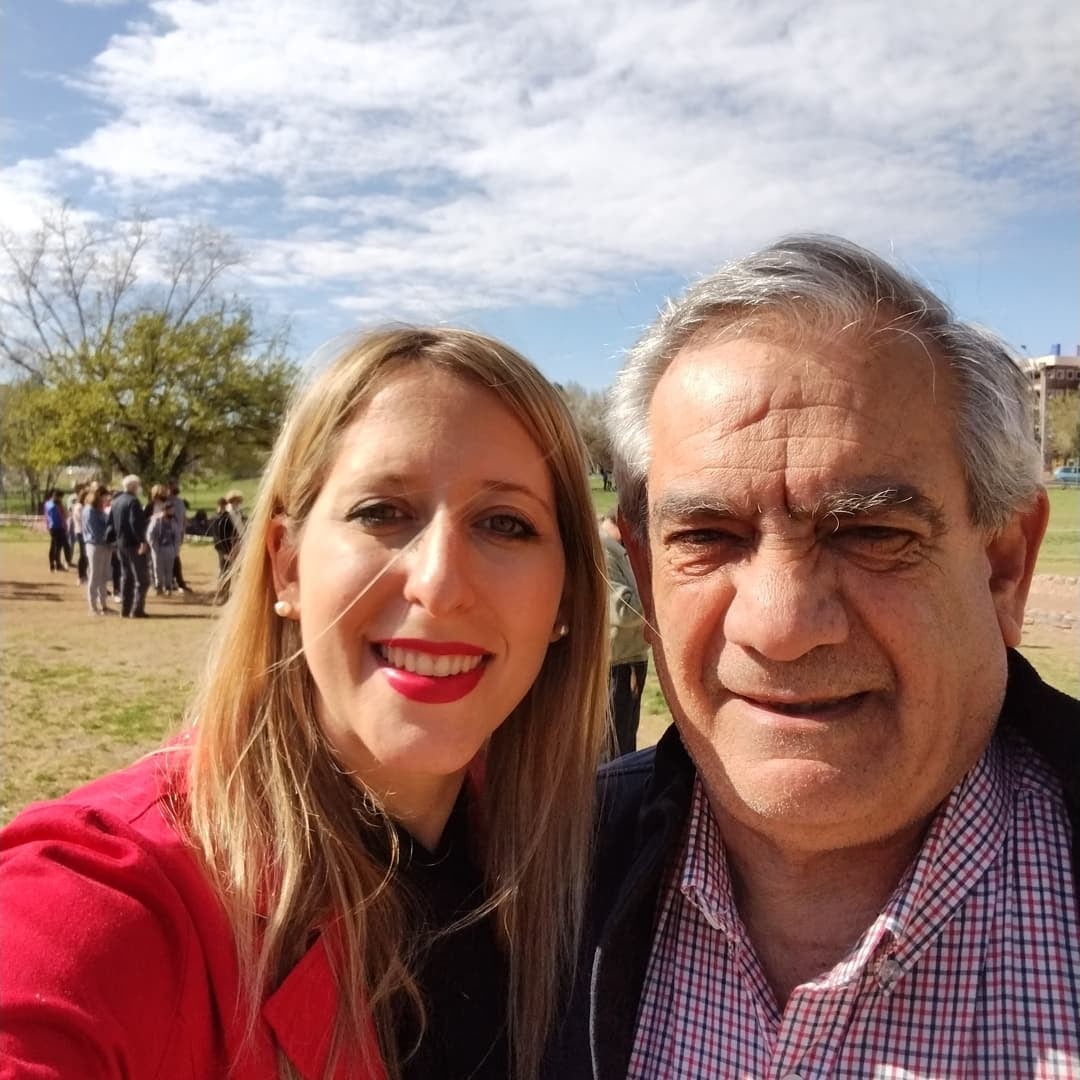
pixel 703 538
pixel 509 525
pixel 878 539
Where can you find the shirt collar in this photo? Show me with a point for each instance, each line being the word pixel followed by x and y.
pixel 964 838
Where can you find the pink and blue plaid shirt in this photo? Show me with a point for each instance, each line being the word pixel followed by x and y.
pixel 972 970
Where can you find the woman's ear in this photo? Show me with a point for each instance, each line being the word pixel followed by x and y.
pixel 284 561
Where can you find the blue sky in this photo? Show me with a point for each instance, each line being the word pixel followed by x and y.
pixel 549 171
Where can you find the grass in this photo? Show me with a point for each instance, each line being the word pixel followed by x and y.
pixel 80 697
pixel 204 494
pixel 1060 553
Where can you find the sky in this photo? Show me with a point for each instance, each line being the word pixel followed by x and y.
pixel 551 171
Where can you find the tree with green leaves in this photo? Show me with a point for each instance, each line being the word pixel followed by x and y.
pixel 131 356
pixel 1063 425
pixel 164 400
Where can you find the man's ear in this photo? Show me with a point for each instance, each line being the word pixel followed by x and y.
pixel 1012 553
pixel 637 548
pixel 284 561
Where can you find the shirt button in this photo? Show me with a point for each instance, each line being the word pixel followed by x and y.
pixel 888 972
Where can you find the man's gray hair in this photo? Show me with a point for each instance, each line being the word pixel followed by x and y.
pixel 131 483
pixel 824 287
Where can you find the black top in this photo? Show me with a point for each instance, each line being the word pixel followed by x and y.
pixel 128 520
pixel 462 974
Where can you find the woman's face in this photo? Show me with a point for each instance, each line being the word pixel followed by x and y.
pixel 427 580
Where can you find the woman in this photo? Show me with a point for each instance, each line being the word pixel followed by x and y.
pixel 306 884
pixel 95 521
pixel 75 527
pixel 163 536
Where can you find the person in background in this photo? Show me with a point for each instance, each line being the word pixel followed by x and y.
pixel 56 524
pixel 155 502
pixel 629 658
pixel 366 855
pixel 223 530
pixel 75 530
pixel 98 548
pixel 235 500
pixel 70 500
pixel 856 852
pixel 179 508
pixel 163 536
pixel 129 524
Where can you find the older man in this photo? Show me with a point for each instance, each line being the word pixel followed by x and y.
pixel 855 854
pixel 129 523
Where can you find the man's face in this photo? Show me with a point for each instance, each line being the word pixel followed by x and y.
pixel 831 627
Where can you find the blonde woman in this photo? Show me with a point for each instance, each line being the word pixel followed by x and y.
pixel 366 855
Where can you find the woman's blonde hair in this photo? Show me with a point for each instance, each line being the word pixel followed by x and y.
pixel 287 835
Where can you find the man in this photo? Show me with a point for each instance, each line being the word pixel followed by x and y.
pixel 855 854
pixel 629 657
pixel 129 522
pixel 56 524
pixel 226 528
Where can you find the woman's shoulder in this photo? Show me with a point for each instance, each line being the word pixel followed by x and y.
pixel 117 844
pixel 110 927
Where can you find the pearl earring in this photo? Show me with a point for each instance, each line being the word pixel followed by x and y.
pixel 562 629
pixel 283 609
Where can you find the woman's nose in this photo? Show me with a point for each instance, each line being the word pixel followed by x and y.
pixel 439 576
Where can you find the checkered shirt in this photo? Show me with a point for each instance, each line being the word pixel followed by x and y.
pixel 971 971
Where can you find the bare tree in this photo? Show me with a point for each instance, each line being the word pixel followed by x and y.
pixel 587 409
pixel 68 289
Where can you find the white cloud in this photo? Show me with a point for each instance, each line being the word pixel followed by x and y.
pixel 27 194
pixel 423 158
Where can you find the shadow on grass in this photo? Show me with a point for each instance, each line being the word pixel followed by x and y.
pixel 29 590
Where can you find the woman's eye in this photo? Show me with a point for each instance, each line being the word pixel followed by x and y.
pixel 509 525
pixel 380 513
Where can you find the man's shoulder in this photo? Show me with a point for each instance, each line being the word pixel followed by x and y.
pixel 642 800
pixel 623 783
pixel 1048 720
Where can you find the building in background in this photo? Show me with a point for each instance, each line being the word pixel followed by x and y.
pixel 1049 375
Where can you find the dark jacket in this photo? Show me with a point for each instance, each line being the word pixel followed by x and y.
pixel 128 519
pixel 644 799
pixel 223 529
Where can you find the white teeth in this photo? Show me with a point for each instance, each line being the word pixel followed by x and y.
pixel 424 663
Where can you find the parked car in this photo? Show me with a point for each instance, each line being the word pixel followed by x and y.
pixel 1069 475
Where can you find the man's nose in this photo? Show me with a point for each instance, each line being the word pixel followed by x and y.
pixel 785 604
pixel 440 574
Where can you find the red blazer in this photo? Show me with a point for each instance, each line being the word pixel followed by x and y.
pixel 116 958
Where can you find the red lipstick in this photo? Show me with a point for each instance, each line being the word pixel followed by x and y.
pixel 431 689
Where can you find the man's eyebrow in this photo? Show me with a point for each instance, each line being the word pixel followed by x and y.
pixel 686 505
pixel 873 497
pixel 858 500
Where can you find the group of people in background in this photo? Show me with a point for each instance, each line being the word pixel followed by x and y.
pixel 131 546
